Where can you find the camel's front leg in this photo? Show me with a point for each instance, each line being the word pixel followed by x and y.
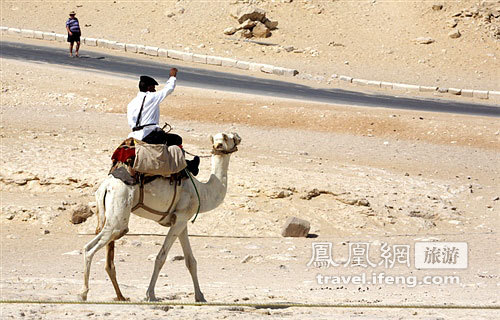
pixel 191 264
pixel 173 233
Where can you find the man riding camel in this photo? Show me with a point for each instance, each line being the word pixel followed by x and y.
pixel 143 115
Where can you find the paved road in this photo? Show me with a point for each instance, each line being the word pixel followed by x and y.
pixel 201 78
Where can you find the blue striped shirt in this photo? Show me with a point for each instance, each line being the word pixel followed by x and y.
pixel 73 25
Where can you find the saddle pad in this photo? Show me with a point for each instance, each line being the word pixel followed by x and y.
pixel 123 174
pixel 158 159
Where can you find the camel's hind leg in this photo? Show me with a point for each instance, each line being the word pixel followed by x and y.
pixel 110 269
pixel 90 249
pixel 191 265
pixel 118 203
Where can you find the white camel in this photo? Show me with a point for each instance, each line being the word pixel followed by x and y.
pixel 115 201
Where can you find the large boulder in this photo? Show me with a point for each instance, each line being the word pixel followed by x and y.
pixel 295 227
pixel 249 12
pixel 247 24
pixel 80 213
pixel 243 33
pixel 270 24
pixel 261 31
pixel 230 30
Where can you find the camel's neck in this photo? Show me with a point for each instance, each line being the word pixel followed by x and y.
pixel 213 192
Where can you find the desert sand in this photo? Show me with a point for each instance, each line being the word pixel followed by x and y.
pixel 426 176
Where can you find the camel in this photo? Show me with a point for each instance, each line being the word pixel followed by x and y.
pixel 115 201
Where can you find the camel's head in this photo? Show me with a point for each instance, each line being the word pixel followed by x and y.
pixel 223 143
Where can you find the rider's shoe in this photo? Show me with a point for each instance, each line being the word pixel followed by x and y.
pixel 192 165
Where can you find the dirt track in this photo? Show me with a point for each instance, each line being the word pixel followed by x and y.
pixel 426 176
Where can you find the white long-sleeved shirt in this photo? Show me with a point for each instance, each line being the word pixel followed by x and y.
pixel 150 111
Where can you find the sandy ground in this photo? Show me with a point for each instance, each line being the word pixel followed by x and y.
pixel 362 39
pixel 426 176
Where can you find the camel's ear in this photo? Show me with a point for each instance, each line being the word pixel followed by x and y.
pixel 236 138
pixel 211 139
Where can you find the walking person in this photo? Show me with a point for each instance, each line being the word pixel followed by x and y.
pixel 74 33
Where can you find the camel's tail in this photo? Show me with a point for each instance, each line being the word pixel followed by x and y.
pixel 100 197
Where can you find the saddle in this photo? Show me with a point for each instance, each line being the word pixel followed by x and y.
pixel 124 167
pixel 131 170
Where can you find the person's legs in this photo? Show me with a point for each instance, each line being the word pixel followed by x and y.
pixel 77 48
pixel 173 139
pixel 71 49
pixel 170 139
pixel 156 137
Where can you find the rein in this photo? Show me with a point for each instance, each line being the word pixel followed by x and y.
pixel 214 152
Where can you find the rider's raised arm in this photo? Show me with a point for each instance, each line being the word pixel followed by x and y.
pixel 167 89
pixel 169 86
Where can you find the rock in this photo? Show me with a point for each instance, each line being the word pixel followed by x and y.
pixel 247 24
pixel 437 6
pixel 270 24
pixel 136 243
pixel 442 90
pixel 289 48
pixel 363 202
pixel 230 30
pixel 261 31
pixel 282 194
pixel 454 34
pixel 247 258
pixel 151 257
pixel 452 23
pixel 178 258
pixel 73 253
pixel 80 213
pixel 244 33
pixel 314 193
pixel 295 227
pixel 249 12
pixel 423 40
pixel 20 182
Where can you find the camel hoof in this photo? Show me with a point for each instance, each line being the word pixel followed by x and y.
pixel 81 297
pixel 121 299
pixel 200 299
pixel 151 298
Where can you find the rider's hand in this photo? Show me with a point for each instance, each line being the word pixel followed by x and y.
pixel 173 72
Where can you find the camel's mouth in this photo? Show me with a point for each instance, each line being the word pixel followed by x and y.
pixel 222 150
